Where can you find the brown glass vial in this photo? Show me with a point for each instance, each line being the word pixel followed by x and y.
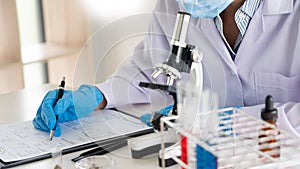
pixel 270 115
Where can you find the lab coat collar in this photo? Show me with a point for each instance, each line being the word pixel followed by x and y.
pixel 267 7
pixel 274 7
pixel 209 28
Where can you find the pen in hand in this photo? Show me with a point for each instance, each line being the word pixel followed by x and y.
pixel 58 96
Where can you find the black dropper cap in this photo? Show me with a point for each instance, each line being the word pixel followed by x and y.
pixel 269 112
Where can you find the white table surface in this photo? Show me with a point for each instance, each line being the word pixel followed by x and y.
pixel 22 105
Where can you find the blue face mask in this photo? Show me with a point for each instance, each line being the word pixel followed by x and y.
pixel 204 8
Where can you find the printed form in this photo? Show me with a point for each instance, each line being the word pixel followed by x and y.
pixel 22 141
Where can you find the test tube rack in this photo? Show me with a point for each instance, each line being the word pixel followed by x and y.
pixel 234 142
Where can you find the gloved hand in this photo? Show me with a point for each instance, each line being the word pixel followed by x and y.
pixel 73 105
pixel 164 111
pixel 204 8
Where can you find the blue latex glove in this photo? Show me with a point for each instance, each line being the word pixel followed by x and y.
pixel 204 8
pixel 73 105
pixel 164 111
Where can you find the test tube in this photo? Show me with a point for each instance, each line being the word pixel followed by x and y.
pixel 188 96
pixel 56 155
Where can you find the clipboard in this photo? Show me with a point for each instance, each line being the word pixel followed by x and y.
pixel 138 130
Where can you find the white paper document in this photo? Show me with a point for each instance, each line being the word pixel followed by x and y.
pixel 22 141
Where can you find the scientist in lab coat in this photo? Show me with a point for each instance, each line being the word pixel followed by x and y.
pixel 251 49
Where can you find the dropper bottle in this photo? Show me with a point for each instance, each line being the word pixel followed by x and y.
pixel 267 135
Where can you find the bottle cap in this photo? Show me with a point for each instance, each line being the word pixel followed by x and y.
pixel 269 112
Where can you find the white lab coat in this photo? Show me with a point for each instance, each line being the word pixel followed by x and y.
pixel 267 62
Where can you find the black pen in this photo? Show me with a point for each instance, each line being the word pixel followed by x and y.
pixel 107 148
pixel 59 95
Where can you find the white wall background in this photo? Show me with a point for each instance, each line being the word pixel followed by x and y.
pixel 116 27
pixel 29 20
